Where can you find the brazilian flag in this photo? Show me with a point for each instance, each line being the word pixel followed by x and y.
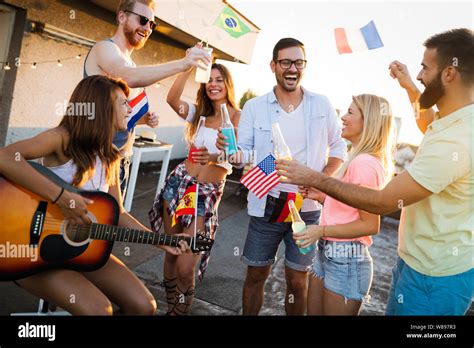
pixel 231 23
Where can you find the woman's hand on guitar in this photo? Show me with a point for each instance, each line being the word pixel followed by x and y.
pixel 74 207
pixel 182 249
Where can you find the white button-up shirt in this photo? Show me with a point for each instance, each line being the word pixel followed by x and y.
pixel 323 136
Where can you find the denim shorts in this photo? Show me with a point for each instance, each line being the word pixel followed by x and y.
pixel 413 293
pixel 346 268
pixel 171 190
pixel 264 237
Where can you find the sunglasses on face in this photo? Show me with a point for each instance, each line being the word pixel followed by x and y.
pixel 144 20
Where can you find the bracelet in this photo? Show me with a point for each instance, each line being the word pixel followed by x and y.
pixel 59 196
pixel 324 229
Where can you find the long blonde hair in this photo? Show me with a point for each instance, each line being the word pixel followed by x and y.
pixel 377 136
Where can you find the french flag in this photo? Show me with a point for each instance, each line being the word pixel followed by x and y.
pixel 356 40
pixel 139 106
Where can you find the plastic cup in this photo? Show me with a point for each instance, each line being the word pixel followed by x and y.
pixel 202 76
pixel 192 150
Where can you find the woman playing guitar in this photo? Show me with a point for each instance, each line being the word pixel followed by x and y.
pixel 81 153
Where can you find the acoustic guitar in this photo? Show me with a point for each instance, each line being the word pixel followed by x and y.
pixel 34 236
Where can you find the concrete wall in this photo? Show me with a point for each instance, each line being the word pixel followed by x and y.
pixel 38 91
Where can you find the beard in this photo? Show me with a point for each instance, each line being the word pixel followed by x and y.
pixel 282 83
pixel 130 34
pixel 432 93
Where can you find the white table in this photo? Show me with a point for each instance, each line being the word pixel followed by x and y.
pixel 138 150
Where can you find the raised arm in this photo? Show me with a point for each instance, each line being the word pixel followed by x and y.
pixel 110 60
pixel 14 166
pixel 399 71
pixel 176 91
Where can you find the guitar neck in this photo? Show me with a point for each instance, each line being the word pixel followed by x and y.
pixel 124 234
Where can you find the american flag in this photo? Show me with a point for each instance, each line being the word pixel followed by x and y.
pixel 262 178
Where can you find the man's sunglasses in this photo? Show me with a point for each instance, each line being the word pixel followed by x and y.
pixel 144 20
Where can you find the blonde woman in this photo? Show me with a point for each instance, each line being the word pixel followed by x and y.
pixel 342 268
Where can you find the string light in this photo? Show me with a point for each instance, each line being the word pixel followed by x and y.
pixel 34 65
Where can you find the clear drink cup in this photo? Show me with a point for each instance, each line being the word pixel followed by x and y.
pixel 202 76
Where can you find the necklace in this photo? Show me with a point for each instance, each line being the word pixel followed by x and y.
pixel 101 175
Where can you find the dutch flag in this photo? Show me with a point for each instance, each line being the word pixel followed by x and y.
pixel 356 40
pixel 139 106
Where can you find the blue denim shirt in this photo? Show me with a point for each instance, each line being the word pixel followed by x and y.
pixel 323 133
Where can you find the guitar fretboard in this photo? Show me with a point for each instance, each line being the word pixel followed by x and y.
pixel 124 234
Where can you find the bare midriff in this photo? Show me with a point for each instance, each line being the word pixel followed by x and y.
pixel 206 173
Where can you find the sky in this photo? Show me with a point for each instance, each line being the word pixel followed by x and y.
pixel 403 27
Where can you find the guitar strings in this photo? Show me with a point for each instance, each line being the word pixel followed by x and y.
pixel 54 223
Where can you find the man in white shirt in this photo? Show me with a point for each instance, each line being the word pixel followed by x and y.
pixel 309 126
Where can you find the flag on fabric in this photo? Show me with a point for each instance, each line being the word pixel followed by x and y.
pixel 231 23
pixel 356 40
pixel 281 212
pixel 139 106
pixel 262 178
pixel 187 204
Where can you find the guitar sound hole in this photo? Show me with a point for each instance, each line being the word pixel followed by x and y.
pixel 77 233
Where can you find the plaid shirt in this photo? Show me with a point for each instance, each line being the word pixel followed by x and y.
pixel 211 192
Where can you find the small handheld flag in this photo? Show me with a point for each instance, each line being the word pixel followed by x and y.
pixel 356 40
pixel 231 23
pixel 187 204
pixel 281 212
pixel 139 106
pixel 262 178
